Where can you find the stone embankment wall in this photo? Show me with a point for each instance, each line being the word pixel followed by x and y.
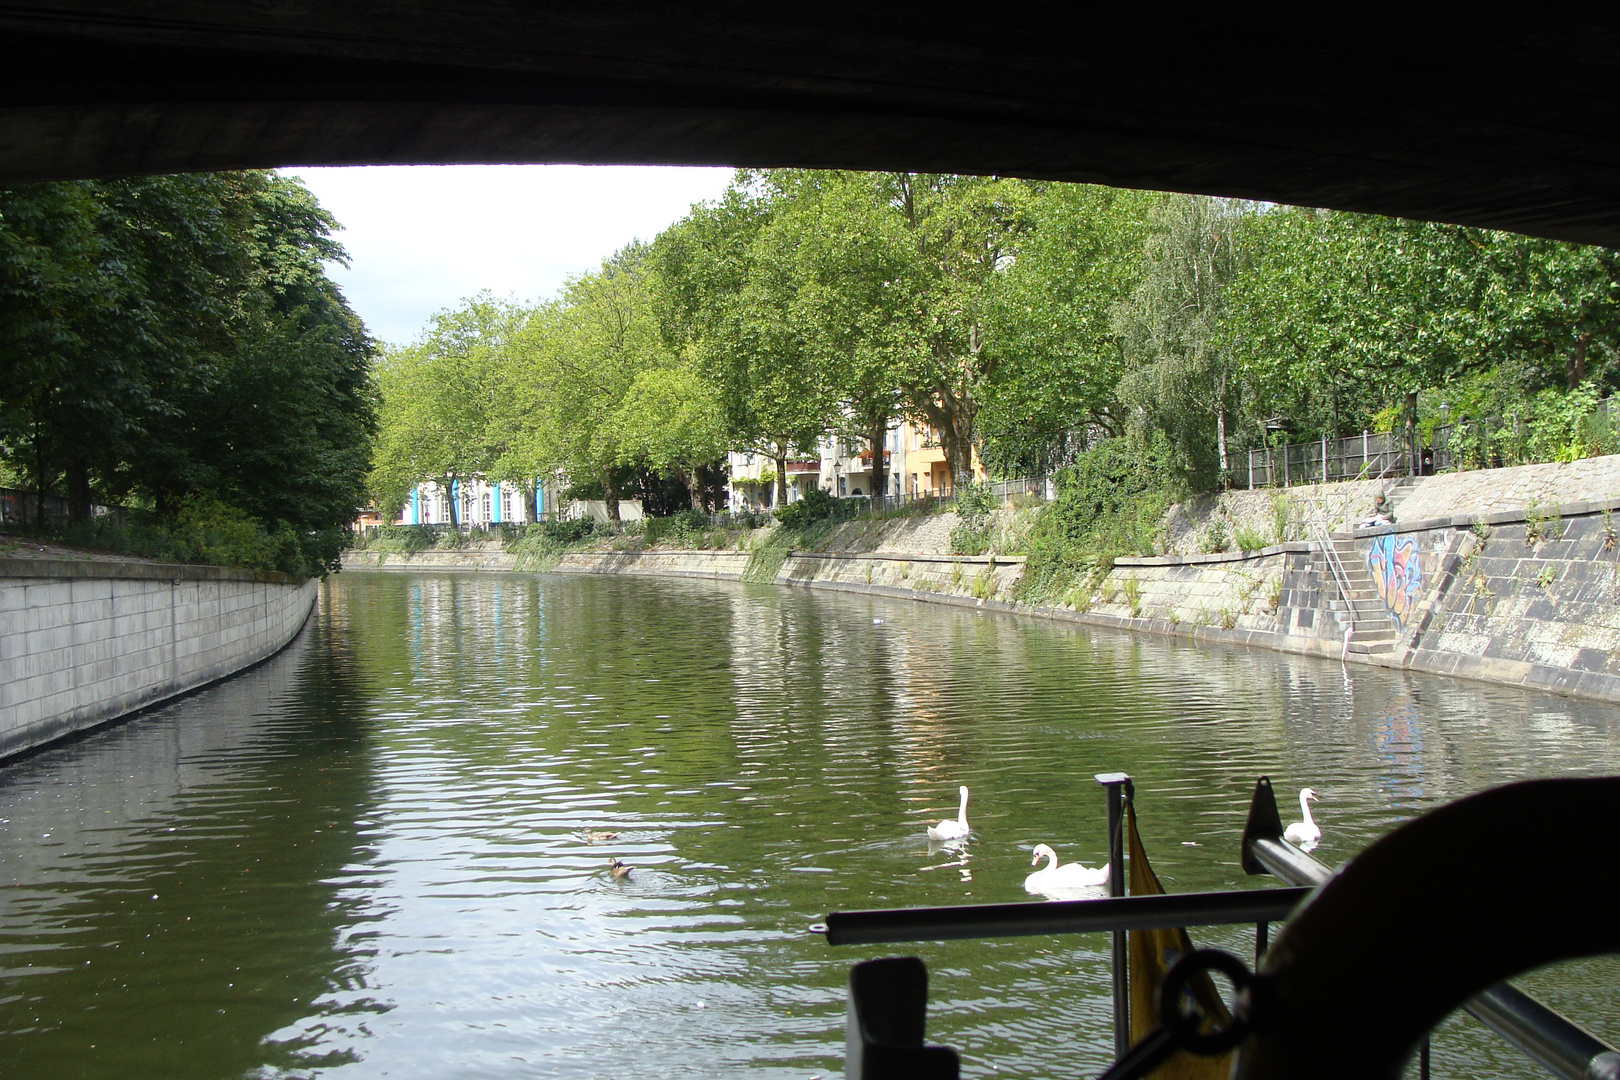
pixel 963 579
pixel 1527 597
pixel 979 580
pixel 474 557
pixel 1510 576
pixel 85 642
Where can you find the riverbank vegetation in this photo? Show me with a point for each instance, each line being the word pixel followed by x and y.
pixel 1136 344
pixel 173 345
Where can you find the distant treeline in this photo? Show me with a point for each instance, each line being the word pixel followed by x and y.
pixel 1009 316
pixel 173 343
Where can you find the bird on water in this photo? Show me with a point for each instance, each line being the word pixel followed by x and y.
pixel 619 870
pixel 1055 878
pixel 949 829
pixel 1307 834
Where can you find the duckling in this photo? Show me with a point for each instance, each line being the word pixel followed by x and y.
pixel 596 836
pixel 619 870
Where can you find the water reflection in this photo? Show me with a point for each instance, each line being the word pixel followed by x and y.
pixel 175 884
pixel 390 845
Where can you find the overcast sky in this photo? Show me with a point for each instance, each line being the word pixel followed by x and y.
pixel 422 237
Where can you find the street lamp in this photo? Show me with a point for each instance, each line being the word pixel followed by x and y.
pixel 837 465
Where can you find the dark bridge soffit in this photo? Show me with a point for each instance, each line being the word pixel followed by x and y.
pixel 1508 124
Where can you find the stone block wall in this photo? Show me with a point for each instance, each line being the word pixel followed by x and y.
pixel 475 557
pixel 1530 599
pixel 1235 591
pixel 82 643
pixel 725 565
pixel 964 579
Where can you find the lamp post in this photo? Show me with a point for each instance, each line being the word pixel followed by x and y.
pixel 838 464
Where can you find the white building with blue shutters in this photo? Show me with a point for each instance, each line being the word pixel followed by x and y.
pixel 478 504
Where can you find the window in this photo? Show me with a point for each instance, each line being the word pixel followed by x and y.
pixel 486 506
pixel 506 506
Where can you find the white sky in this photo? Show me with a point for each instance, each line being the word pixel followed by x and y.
pixel 423 237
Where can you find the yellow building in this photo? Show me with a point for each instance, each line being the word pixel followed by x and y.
pixel 926 471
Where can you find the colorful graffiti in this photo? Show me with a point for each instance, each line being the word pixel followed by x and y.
pixel 1396 572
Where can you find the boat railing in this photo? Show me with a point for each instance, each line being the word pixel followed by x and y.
pixel 885 1024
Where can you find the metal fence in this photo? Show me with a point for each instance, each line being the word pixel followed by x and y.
pixel 20 509
pixel 1360 457
pixel 1490 443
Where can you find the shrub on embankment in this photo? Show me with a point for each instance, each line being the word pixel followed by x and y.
pixel 203 531
pixel 1110 502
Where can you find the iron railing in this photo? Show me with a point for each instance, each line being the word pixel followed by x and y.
pixel 1366 456
pixel 20 509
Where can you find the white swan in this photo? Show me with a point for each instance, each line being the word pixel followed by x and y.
pixel 952 830
pixel 1307 834
pixel 1055 878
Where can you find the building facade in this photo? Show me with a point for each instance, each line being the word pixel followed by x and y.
pixel 913 463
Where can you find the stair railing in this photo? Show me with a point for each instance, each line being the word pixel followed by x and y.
pixel 1323 539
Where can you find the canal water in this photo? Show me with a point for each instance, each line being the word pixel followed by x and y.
pixel 375 855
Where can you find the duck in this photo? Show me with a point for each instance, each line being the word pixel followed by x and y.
pixel 949 829
pixel 1055 878
pixel 619 870
pixel 1307 834
pixel 596 836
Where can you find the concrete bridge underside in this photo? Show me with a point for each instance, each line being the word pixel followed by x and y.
pixel 1504 122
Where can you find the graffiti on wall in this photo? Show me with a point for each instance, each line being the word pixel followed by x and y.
pixel 1393 562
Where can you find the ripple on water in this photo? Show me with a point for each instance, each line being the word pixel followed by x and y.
pixel 375 854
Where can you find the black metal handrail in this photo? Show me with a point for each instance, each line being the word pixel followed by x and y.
pixel 1104 915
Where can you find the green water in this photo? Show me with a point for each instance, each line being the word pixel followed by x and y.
pixel 369 856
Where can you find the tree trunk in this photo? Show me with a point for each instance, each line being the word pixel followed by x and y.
pixel 781 479
pixel 610 493
pixel 39 475
pixel 1575 372
pixel 958 452
pixel 78 490
pixel 1412 467
pixel 450 500
pixel 1220 426
pixel 878 478
pixel 694 486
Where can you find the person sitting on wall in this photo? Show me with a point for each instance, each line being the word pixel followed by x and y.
pixel 1382 513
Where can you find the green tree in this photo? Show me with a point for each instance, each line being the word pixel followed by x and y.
pixel 584 353
pixel 1182 378
pixel 671 422
pixel 444 401
pixel 151 327
pixel 1050 315
pixel 729 301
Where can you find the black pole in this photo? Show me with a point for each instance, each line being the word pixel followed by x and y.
pixel 1118 786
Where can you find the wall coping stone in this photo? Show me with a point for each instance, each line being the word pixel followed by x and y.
pixel 1218 557
pixel 1498 517
pixel 906 556
pixel 138 571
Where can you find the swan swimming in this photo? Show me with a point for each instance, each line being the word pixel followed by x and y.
pixel 1307 834
pixel 949 829
pixel 1069 876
